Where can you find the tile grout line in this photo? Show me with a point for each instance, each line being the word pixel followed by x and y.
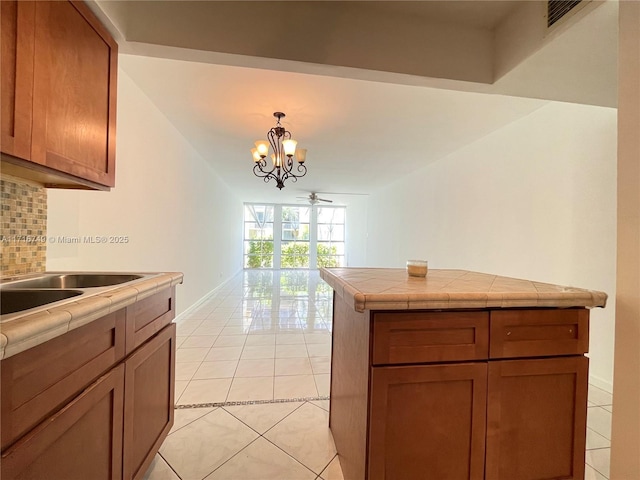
pixel 169 465
pixel 280 448
pixel 327 465
pixel 318 475
pixel 595 469
pixel 237 365
pixel 249 402
pixel 261 435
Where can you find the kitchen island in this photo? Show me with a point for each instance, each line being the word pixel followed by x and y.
pixel 459 375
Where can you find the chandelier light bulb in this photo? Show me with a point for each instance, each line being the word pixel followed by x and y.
pixel 289 147
pixel 262 146
pixel 301 155
pixel 256 156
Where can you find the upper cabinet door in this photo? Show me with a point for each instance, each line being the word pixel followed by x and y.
pixel 74 92
pixel 16 88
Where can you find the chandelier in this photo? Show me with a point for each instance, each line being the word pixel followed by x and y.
pixel 282 163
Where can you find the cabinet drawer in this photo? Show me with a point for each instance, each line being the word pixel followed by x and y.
pixel 147 317
pixel 539 333
pixel 420 337
pixel 38 381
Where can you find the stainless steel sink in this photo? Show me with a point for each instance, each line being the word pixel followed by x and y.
pixel 12 301
pixel 84 280
pixel 26 295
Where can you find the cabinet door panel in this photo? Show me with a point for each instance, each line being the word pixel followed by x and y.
pixel 149 401
pixel 16 54
pixel 74 92
pixel 81 441
pixel 536 419
pixel 428 422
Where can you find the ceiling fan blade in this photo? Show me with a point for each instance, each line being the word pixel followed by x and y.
pixel 342 193
pixel 325 200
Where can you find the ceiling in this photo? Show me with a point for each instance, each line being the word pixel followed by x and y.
pixel 471 13
pixel 361 134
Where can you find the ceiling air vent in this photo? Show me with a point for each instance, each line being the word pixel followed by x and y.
pixel 556 9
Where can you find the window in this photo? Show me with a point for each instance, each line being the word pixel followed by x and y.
pixel 293 236
pixel 258 236
pixel 331 237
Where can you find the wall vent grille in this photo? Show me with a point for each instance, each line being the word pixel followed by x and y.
pixel 556 9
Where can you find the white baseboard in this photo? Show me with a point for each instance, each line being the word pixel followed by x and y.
pixel 605 385
pixel 195 305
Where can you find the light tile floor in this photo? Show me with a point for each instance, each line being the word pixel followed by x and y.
pixel 266 336
pixel 598 434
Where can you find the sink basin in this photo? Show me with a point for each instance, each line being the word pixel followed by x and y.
pixel 84 280
pixel 12 301
pixel 23 296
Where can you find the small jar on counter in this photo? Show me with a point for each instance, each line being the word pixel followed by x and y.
pixel 417 268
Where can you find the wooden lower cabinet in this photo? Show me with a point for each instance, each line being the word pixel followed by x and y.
pixel 431 421
pixel 536 419
pixel 40 381
pixel 428 422
pixel 459 395
pixel 77 408
pixel 149 401
pixel 87 430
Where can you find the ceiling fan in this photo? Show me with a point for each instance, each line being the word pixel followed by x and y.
pixel 313 198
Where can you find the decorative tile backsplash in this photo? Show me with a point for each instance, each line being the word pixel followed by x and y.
pixel 23 227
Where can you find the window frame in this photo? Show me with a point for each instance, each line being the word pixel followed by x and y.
pixel 278 242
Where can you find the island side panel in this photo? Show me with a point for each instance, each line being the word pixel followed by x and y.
pixel 350 387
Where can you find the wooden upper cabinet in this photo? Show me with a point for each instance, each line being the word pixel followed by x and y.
pixel 74 92
pixel 59 93
pixel 16 88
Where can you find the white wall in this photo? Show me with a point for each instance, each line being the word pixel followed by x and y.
pixel 177 214
pixel 535 199
pixel 356 230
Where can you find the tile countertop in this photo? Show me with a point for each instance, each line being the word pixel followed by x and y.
pixel 393 289
pixel 24 332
